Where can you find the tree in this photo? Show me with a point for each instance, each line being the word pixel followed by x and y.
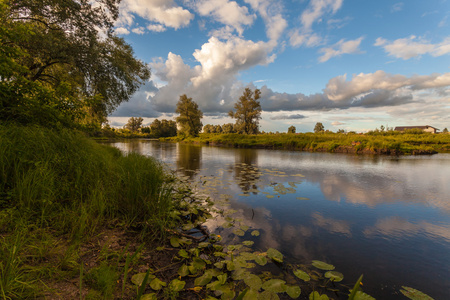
pixel 291 129
pixel 61 58
pixel 227 128
pixel 319 127
pixel 208 128
pixel 445 130
pixel 382 128
pixel 248 112
pixel 134 124
pixel 190 117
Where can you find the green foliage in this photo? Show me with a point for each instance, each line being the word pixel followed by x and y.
pixel 318 127
pixel 190 117
pixel 291 129
pixel 248 112
pixel 134 124
pixel 414 294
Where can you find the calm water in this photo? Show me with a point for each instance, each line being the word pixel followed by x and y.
pixel 385 217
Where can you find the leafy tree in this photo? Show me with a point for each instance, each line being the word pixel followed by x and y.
pixel 134 124
pixel 291 129
pixel 319 127
pixel 190 117
pixel 382 128
pixel 59 59
pixel 227 128
pixel 217 129
pixel 168 128
pixel 248 112
pixel 445 130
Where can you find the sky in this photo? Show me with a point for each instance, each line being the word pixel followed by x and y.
pixel 349 64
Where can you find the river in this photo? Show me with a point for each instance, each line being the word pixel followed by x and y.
pixel 385 217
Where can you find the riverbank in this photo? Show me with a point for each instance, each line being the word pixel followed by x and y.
pixel 391 143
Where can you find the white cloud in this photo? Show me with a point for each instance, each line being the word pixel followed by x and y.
pixel 226 12
pixel 121 31
pixel 138 30
pixel 297 39
pixel 397 7
pixel 317 9
pixel 337 123
pixel 156 28
pixel 341 47
pixel 410 47
pixel 164 12
pixel 271 12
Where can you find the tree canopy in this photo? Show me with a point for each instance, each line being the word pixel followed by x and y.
pixel 248 112
pixel 291 129
pixel 61 58
pixel 134 124
pixel 190 117
pixel 319 127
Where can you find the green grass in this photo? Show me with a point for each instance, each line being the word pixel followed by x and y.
pixel 375 143
pixel 60 185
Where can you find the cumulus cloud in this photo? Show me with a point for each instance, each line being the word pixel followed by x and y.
pixel 226 12
pixel 297 39
pixel 412 46
pixel 121 31
pixel 138 30
pixel 288 117
pixel 397 7
pixel 156 28
pixel 271 12
pixel 166 13
pixel 341 47
pixel 337 123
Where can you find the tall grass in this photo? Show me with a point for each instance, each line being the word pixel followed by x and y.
pixel 69 185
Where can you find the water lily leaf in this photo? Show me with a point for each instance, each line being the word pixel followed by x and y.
pixel 268 295
pixel 253 281
pixel 220 254
pixel 302 275
pixel 322 265
pixel 226 292
pixel 183 271
pixel 175 242
pixel 244 195
pixel 198 263
pixel 270 196
pixel 248 243
pixel 151 296
pixel 334 276
pixel 222 278
pixel 275 255
pixel 177 285
pixel 414 294
pixel 137 279
pixel 293 291
pixel 302 198
pixel 230 265
pixel 219 265
pixel 251 295
pixel 188 226
pixel 157 284
pixel 261 260
pixel 363 296
pixel 255 233
pixel 245 227
pixel 203 244
pixel 183 253
pixel 316 296
pixel 227 225
pixel 203 280
pixel 162 248
pixel 213 286
pixel 298 175
pixel 275 285
pixel 239 232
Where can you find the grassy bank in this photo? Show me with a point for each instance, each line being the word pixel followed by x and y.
pixel 382 143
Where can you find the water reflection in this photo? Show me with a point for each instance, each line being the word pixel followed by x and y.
pixel 386 217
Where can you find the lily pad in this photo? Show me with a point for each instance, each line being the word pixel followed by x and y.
pixel 151 296
pixel 253 281
pixel 157 284
pixel 261 260
pixel 251 295
pixel 255 233
pixel 248 243
pixel 363 296
pixel 334 276
pixel 177 285
pixel 203 280
pixel 414 294
pixel 322 265
pixel 275 255
pixel 302 275
pixel 302 198
pixel 275 285
pixel 270 196
pixel 137 279
pixel 183 270
pixel 268 295
pixel 316 296
pixel 183 253
pixel 293 291
pixel 175 242
pixel 239 232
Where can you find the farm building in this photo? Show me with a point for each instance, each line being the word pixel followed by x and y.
pixel 425 128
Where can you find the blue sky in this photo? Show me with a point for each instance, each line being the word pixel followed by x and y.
pixel 350 64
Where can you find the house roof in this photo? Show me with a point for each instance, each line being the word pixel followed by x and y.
pixel 402 128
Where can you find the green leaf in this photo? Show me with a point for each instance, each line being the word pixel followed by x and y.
pixel 175 242
pixel 275 255
pixel 214 286
pixel 203 280
pixel 248 243
pixel 157 284
pixel 222 278
pixel 137 279
pixel 183 271
pixel 414 294
pixel 183 253
pixel 250 295
pixel 302 275
pixel 239 232
pixel 355 288
pixel 363 296
pixel 255 233
pixel 230 265
pixel 334 276
pixel 253 281
pixel 275 285
pixel 177 285
pixel 261 260
pixel 203 244
pixel 151 296
pixel 293 291
pixel 316 296
pixel 268 295
pixel 321 265
pixel 198 263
